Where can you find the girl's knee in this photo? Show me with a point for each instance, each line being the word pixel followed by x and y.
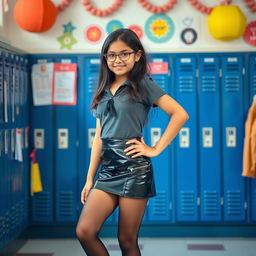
pixel 85 232
pixel 127 240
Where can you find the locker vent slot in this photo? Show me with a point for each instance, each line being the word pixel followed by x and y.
pixel 2 227
pixel 92 83
pixel 209 84
pixel 187 203
pixel 209 68
pixel 66 203
pixel 14 216
pixel 7 222
pixel 254 83
pixel 161 81
pixel 160 204
pixel 185 84
pixel 185 68
pixel 232 83
pixel 42 204
pixel 210 202
pixel 234 202
pixel 22 211
pixel 93 69
pixel 232 67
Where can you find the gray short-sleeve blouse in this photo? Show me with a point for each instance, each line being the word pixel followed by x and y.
pixel 121 118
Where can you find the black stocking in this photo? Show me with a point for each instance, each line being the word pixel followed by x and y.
pixel 131 212
pixel 98 207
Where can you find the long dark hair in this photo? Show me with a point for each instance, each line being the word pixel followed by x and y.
pixel 139 70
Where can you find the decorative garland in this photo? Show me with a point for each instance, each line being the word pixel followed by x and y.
pixel 63 5
pixel 102 13
pixel 205 9
pixel 157 9
pixel 251 5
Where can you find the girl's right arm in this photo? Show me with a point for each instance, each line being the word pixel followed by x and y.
pixel 94 162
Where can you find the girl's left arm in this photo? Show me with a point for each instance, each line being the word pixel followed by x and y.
pixel 178 118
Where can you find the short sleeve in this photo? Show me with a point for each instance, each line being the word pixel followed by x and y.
pixel 154 91
pixel 95 113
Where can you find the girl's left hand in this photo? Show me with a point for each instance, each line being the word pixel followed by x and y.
pixel 140 148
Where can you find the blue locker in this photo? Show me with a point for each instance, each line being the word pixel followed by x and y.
pixel 26 184
pixel 209 137
pixel 252 83
pixel 91 71
pixel 2 188
pixel 232 138
pixel 186 162
pixel 66 159
pixel 7 148
pixel 1 89
pixel 43 141
pixel 159 207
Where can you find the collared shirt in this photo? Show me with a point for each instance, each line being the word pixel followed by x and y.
pixel 122 118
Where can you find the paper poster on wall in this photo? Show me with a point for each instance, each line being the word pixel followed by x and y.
pixel 137 30
pixel 188 28
pixel 64 84
pixel 93 34
pixel 159 28
pixel 114 25
pixel 42 75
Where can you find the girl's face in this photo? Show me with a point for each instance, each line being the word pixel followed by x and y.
pixel 121 58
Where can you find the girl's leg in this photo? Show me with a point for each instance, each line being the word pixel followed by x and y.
pixel 98 206
pixel 131 212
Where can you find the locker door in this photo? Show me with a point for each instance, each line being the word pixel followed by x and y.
pixel 159 206
pixel 42 133
pixel 209 137
pixel 232 141
pixel 66 158
pixel 2 181
pixel 2 187
pixel 1 89
pixel 7 141
pixel 252 83
pixel 186 164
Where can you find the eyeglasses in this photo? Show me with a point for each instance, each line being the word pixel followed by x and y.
pixel 124 56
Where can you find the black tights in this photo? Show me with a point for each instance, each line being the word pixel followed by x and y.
pixel 98 207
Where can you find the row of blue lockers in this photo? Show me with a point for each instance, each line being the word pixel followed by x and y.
pixel 198 176
pixel 14 128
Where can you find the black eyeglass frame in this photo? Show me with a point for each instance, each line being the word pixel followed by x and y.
pixel 129 54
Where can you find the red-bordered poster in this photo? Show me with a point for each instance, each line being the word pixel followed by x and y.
pixel 64 84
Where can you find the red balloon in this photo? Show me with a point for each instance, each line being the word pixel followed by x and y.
pixel 35 16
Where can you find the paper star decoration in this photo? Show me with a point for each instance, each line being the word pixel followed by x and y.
pixel 68 28
pixel 66 40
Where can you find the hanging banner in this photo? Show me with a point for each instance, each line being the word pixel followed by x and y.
pixel 42 75
pixel 64 84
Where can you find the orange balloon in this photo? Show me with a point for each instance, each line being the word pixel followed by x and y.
pixel 35 15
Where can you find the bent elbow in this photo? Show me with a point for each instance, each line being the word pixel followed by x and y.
pixel 185 116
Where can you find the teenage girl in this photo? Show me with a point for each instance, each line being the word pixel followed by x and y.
pixel 123 98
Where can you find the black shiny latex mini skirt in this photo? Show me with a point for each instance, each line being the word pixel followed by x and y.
pixel 122 175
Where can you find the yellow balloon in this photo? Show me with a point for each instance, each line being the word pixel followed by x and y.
pixel 226 22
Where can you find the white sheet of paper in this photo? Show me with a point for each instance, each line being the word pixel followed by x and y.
pixel 42 75
pixel 18 146
pixel 64 87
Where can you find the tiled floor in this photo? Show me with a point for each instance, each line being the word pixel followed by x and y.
pixel 149 247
